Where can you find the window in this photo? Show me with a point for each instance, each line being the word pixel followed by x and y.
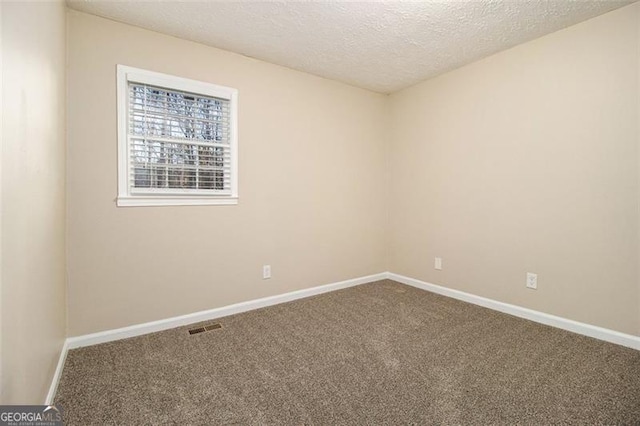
pixel 177 141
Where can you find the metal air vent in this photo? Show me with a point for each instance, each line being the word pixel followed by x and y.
pixel 207 327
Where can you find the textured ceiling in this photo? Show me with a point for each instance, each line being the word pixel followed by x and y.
pixel 381 46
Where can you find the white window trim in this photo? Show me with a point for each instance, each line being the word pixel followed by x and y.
pixel 126 74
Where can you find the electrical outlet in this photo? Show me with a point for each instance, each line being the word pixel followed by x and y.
pixel 438 264
pixel 266 272
pixel 532 280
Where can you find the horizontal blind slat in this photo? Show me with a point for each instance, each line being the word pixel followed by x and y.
pixel 198 142
pixel 181 167
pixel 161 114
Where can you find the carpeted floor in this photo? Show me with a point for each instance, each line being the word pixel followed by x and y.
pixel 380 353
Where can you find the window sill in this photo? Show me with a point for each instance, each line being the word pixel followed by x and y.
pixel 159 201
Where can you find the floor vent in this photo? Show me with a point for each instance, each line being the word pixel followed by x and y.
pixel 208 327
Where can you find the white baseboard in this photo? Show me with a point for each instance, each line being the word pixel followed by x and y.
pixel 600 333
pixel 56 376
pixel 152 327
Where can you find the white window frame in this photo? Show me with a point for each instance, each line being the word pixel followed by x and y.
pixel 177 197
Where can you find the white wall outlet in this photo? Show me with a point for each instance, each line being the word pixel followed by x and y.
pixel 532 280
pixel 438 264
pixel 266 272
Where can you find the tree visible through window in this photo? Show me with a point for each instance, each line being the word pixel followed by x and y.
pixel 178 142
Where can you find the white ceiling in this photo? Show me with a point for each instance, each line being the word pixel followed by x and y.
pixel 381 46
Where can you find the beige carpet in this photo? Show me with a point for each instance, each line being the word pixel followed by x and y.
pixel 380 353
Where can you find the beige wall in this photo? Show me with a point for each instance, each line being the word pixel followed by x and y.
pixel 33 198
pixel 524 161
pixel 527 161
pixel 312 179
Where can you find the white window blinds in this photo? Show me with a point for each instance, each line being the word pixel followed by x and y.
pixel 179 142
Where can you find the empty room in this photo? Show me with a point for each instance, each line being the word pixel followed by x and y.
pixel 384 212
